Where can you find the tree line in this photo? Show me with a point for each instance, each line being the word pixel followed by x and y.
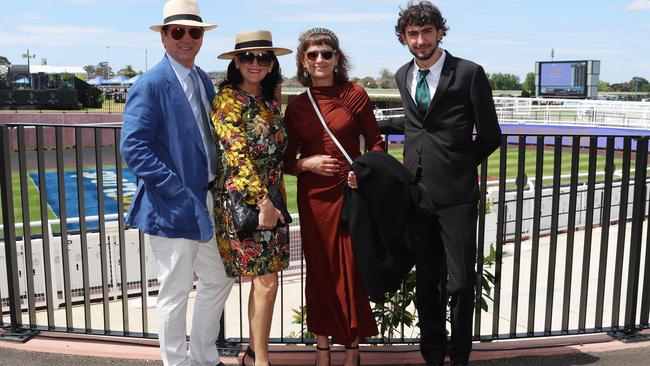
pixel 386 79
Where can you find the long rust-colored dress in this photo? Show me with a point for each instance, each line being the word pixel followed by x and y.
pixel 337 303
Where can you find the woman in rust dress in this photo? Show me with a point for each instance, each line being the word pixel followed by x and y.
pixel 337 303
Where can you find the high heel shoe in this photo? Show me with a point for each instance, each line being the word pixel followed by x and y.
pixel 324 349
pixel 358 353
pixel 251 354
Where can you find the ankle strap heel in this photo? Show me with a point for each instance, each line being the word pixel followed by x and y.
pixel 323 349
pixel 352 348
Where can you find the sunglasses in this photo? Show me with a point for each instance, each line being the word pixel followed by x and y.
pixel 178 33
pixel 313 55
pixel 263 59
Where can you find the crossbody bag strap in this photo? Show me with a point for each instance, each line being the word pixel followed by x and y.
pixel 322 121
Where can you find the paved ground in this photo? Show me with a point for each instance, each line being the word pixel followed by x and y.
pixel 556 351
pixel 634 357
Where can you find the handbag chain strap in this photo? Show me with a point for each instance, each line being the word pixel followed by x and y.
pixel 322 121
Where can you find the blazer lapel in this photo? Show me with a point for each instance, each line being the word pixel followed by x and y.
pixel 448 69
pixel 182 107
pixel 402 75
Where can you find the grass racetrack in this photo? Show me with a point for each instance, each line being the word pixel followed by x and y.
pixel 396 150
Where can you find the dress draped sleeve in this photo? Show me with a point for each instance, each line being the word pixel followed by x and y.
pixel 366 120
pixel 293 142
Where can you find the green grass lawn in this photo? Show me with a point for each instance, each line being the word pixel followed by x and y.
pixel 34 205
pixel 512 161
pixel 396 151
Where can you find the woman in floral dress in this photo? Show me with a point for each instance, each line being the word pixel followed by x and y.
pixel 252 137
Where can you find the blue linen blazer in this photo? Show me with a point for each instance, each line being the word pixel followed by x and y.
pixel 161 144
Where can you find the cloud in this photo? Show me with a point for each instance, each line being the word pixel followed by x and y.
pixel 28 16
pixel 493 42
pixel 75 36
pixel 638 5
pixel 342 17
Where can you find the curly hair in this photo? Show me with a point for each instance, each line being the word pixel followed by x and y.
pixel 320 36
pixel 421 13
pixel 269 83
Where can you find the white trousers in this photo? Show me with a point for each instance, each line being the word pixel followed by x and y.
pixel 178 260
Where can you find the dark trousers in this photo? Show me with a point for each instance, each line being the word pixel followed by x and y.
pixel 446 274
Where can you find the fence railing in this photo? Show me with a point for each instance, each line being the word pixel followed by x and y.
pixel 565 215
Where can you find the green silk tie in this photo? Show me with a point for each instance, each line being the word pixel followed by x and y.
pixel 422 94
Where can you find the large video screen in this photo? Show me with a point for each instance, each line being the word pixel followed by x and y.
pixel 563 79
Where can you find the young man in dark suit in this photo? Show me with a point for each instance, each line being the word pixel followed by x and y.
pixel 450 127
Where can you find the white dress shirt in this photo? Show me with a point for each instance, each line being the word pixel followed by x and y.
pixel 433 77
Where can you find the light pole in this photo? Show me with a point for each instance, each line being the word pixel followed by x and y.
pixel 29 73
pixel 108 63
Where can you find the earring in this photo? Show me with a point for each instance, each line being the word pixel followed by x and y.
pixel 336 68
pixel 305 73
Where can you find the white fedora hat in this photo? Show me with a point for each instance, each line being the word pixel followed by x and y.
pixel 182 12
pixel 253 40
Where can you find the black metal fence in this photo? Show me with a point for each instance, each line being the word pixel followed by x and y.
pixel 565 215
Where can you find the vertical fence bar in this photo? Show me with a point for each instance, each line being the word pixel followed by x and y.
pixel 479 251
pixel 555 215
pixel 519 215
pixel 63 222
pixel 589 225
pixel 241 309
pixel 282 303
pixel 638 216
pixel 103 250
pixel 645 296
pixel 27 230
pixel 571 229
pixel 622 228
pixel 144 283
pixel 503 151
pixel 604 237
pixel 302 298
pixel 537 212
pixel 83 235
pixel 122 240
pixel 45 227
pixel 9 231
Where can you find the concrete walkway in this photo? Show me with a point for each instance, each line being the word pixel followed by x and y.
pixel 50 349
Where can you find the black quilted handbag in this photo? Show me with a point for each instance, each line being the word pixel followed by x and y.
pixel 245 217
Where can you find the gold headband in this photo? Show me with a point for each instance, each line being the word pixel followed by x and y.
pixel 310 32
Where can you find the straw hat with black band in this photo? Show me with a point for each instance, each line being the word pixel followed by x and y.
pixel 182 12
pixel 253 40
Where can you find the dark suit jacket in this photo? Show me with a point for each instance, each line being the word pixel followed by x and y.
pixel 385 217
pixel 442 140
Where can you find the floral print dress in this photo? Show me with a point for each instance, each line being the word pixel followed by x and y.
pixel 253 138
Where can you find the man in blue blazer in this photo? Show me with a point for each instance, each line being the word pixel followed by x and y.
pixel 168 143
pixel 450 126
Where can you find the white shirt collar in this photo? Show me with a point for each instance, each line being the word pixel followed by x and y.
pixel 432 77
pixel 181 71
pixel 435 69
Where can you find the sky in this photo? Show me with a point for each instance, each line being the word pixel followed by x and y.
pixel 505 36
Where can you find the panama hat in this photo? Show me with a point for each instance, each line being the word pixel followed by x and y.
pixel 253 40
pixel 182 12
